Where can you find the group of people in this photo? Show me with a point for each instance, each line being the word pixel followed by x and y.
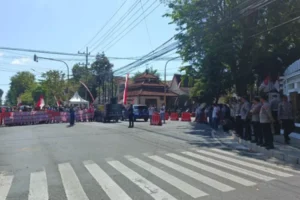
pixel 265 116
pixel 261 118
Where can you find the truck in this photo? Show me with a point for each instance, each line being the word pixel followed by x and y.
pixel 108 112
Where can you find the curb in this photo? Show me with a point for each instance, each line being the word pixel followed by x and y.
pixel 269 153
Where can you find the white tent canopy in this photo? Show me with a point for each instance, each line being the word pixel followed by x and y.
pixel 76 100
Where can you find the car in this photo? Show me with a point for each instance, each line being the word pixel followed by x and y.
pixel 139 112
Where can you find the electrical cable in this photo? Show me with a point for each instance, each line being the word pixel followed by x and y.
pixel 104 26
pixel 112 29
pixel 122 36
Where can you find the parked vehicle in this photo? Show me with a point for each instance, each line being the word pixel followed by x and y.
pixel 108 112
pixel 139 112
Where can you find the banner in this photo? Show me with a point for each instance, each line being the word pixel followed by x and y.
pixel 125 90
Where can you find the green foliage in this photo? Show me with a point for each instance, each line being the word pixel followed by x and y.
pixel 54 85
pixel 21 83
pixel 148 71
pixel 226 42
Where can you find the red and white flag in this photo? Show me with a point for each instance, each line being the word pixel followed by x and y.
pixel 125 90
pixel 41 102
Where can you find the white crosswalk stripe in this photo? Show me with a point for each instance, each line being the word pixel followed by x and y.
pixel 73 188
pixel 181 185
pixel 38 189
pixel 140 181
pixel 5 184
pixel 112 189
pixel 261 162
pixel 223 165
pixel 213 170
pixel 243 163
pixel 204 179
pixel 230 167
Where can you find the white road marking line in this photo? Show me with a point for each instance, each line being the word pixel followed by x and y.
pixel 262 162
pixel 112 189
pixel 195 175
pixel 212 170
pixel 230 167
pixel 176 182
pixel 144 184
pixel 38 186
pixel 5 184
pixel 73 188
pixel 243 163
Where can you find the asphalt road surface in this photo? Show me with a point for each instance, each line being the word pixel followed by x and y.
pixel 179 160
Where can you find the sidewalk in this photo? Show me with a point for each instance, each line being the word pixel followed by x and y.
pixel 283 152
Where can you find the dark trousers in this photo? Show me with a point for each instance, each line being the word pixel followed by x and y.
pixel 267 133
pixel 257 132
pixel 288 127
pixel 239 126
pixel 131 121
pixel 72 119
pixel 246 129
pixel 276 123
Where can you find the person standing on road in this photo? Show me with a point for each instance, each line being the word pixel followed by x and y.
pixel 130 116
pixel 245 109
pixel 162 113
pixel 256 106
pixel 238 120
pixel 151 111
pixel 266 120
pixel 285 115
pixel 215 116
pixel 274 108
pixel 72 116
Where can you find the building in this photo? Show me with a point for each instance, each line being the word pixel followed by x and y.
pixel 179 86
pixel 147 89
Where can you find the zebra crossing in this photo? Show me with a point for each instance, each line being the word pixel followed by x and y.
pixel 195 164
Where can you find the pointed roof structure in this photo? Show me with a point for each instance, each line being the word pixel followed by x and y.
pixel 77 99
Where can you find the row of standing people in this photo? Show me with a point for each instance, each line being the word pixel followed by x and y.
pixel 265 117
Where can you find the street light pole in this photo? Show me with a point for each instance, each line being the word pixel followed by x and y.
pixel 35 58
pixel 165 76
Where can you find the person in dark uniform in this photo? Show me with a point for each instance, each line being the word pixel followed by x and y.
pixel 72 116
pixel 130 116
pixel 286 117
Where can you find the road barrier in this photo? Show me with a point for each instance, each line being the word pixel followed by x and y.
pixel 38 117
pixel 174 117
pixel 156 121
pixel 186 117
pixel 166 116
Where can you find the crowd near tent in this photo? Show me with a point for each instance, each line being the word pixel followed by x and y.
pixel 77 100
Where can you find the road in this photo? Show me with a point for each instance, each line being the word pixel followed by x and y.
pixel 179 160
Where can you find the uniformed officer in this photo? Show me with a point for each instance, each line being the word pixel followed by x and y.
pixel 285 116
pixel 266 119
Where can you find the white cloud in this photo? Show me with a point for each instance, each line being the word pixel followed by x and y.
pixel 1 54
pixel 21 61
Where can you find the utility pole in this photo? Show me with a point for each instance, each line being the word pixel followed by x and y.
pixel 86 53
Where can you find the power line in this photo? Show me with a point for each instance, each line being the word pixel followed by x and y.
pixel 131 28
pixel 100 40
pixel 147 30
pixel 104 26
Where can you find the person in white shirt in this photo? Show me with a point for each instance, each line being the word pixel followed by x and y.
pixel 151 111
pixel 215 116
pixel 162 112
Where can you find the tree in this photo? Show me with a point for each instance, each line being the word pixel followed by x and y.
pixel 101 71
pixel 20 83
pixel 1 93
pixel 54 85
pixel 147 71
pixel 227 43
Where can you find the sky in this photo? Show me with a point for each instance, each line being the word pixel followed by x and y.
pixel 68 26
